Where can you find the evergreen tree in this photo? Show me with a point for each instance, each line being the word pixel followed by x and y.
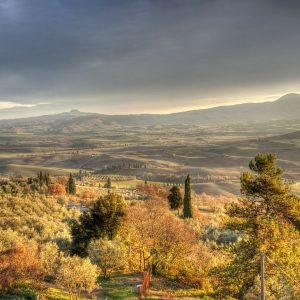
pixel 46 179
pixel 267 217
pixel 187 201
pixel 108 183
pixel 71 186
pixel 103 220
pixel 175 198
pixel 40 178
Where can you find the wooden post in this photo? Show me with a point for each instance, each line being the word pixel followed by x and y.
pixel 262 276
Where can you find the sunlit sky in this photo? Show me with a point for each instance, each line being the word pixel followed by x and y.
pixel 146 56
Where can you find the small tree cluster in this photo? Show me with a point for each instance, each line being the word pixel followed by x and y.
pixel 43 178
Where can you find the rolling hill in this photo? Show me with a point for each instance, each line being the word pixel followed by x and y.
pixel 285 108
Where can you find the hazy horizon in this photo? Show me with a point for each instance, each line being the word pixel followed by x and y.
pixel 24 111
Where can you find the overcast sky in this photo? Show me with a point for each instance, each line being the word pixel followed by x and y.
pixel 146 55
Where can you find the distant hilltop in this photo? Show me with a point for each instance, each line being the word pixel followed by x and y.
pixel 284 108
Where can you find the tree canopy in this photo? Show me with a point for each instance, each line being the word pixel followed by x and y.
pixel 102 220
pixel 175 198
pixel 267 215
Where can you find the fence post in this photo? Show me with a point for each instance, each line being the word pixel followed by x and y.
pixel 262 276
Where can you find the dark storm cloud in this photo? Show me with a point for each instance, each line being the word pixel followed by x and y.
pixel 110 55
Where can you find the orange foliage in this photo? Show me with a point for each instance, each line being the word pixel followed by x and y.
pixel 154 190
pixel 73 198
pixel 57 189
pixel 88 195
pixel 17 265
pixel 62 180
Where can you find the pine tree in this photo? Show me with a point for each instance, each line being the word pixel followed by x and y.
pixel 71 186
pixel 187 201
pixel 175 198
pixel 267 216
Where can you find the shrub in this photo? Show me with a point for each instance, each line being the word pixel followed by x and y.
pixel 57 189
pixel 77 275
pixel 87 194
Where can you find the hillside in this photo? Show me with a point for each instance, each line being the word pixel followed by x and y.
pixel 285 108
pixel 129 145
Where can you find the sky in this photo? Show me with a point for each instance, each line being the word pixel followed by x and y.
pixel 146 56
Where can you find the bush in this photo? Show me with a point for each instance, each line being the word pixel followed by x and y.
pixel 77 275
pixel 57 189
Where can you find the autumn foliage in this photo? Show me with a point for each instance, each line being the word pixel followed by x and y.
pixel 87 195
pixel 17 265
pixel 154 191
pixel 62 180
pixel 57 189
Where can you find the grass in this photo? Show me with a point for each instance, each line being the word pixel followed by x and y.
pixel 120 286
pixel 56 294
pixel 161 288
pixel 26 292
pixel 20 293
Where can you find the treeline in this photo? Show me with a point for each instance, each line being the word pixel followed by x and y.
pixel 43 183
pixel 125 166
pixel 179 178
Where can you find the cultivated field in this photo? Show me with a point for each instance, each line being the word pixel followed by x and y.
pixel 214 156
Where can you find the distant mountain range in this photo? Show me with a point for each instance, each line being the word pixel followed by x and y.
pixel 285 108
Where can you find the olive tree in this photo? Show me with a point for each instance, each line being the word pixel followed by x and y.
pixel 76 275
pixel 108 255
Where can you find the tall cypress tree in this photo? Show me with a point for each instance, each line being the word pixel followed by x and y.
pixel 71 186
pixel 108 184
pixel 187 201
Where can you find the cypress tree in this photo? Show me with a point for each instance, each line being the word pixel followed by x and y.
pixel 47 179
pixel 71 186
pixel 108 184
pixel 187 201
pixel 40 178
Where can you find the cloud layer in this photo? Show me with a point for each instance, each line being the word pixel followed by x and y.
pixel 120 56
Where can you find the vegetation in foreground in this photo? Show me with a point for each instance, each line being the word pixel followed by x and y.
pixel 51 250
